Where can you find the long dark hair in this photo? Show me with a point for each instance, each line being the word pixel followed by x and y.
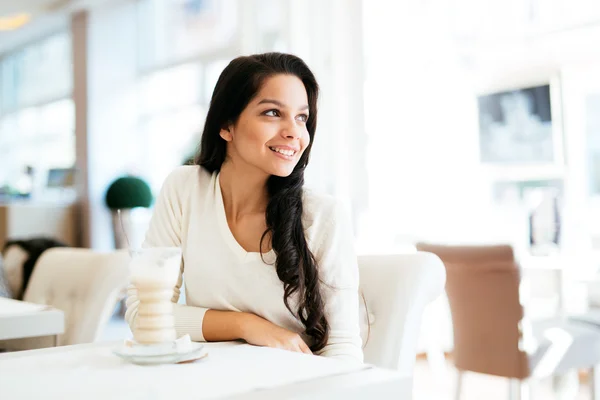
pixel 296 266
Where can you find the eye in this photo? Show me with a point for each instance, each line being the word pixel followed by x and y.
pixel 272 113
pixel 302 117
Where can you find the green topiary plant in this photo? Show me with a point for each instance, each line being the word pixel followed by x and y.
pixel 128 192
pixel 124 194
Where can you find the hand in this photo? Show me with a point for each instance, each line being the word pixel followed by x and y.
pixel 260 332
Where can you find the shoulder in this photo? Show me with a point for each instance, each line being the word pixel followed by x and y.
pixel 186 174
pixel 323 216
pixel 322 208
pixel 183 178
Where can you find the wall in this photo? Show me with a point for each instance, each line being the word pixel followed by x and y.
pixel 421 122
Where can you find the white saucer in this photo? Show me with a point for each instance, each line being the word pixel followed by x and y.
pixel 181 350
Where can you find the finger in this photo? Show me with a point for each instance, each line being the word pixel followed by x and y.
pixel 304 347
pixel 289 346
pixel 295 347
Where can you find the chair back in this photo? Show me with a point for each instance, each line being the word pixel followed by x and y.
pixel 396 289
pixel 84 284
pixel 483 292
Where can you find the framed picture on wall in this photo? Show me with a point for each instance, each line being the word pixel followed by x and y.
pixel 520 127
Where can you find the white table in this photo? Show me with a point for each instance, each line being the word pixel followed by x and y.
pixel 231 371
pixel 19 319
pixel 571 273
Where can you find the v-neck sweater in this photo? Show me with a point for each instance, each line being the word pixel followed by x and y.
pixel 220 274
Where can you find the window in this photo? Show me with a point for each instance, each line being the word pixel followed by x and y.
pixel 187 44
pixel 37 122
pixel 176 30
pixel 173 105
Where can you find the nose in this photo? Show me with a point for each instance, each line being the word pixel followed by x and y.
pixel 291 130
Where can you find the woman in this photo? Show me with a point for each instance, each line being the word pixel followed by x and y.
pixel 265 261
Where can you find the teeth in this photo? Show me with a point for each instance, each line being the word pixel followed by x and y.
pixel 284 152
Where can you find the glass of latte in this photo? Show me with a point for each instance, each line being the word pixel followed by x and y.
pixel 154 273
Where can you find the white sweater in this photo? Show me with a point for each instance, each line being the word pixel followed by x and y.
pixel 220 275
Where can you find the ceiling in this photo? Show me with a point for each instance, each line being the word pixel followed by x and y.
pixel 47 16
pixel 489 21
pixel 35 7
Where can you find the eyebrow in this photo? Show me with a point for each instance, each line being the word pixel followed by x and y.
pixel 278 103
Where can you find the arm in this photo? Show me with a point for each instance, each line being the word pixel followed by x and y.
pixel 338 266
pixel 232 325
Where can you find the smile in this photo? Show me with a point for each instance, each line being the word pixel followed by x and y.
pixel 285 152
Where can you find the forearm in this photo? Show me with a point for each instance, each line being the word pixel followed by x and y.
pixel 204 325
pixel 221 326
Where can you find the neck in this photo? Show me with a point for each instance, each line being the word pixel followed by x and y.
pixel 244 190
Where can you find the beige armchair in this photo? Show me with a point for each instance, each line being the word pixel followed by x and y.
pixel 492 334
pixel 84 284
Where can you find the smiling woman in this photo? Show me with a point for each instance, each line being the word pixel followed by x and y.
pixel 264 259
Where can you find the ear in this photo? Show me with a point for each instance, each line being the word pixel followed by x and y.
pixel 226 133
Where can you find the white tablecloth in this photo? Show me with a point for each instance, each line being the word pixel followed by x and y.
pixel 93 372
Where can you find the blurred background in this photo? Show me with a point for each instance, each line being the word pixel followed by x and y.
pixel 448 121
pixel 416 96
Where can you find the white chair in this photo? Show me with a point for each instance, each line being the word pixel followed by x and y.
pixel 84 284
pixel 397 288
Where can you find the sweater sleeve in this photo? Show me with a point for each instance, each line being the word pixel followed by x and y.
pixel 166 230
pixel 338 266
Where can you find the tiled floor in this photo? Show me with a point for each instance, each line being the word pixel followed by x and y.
pixel 427 384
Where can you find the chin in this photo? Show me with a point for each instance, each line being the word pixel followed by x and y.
pixel 280 169
pixel 282 173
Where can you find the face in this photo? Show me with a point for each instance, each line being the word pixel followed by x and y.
pixel 270 134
